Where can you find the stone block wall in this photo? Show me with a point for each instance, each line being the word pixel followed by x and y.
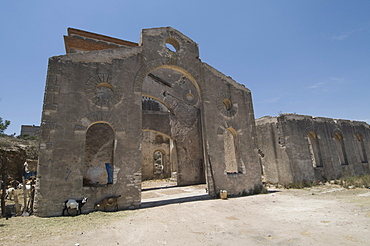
pixel 98 95
pixel 296 148
pixel 160 167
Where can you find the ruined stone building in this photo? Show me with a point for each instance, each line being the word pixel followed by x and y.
pixel 297 148
pixel 117 112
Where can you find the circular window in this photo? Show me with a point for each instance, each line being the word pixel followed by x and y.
pixel 102 91
pixel 226 106
pixel 172 44
pixel 189 97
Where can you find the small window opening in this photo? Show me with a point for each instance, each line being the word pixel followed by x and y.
pixel 313 144
pixel 231 153
pixel 172 44
pixel 158 162
pixel 361 148
pixel 170 47
pixel 189 97
pixel 104 91
pixel 228 104
pixel 340 149
pixel 150 104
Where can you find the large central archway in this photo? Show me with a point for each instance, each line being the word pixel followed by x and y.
pixel 172 143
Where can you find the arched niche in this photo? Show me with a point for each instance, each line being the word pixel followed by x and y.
pixel 99 155
pixel 314 148
pixel 159 162
pixel 342 156
pixel 231 152
pixel 156 155
pixel 361 148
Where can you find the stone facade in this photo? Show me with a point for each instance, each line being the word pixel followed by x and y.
pixel 297 148
pixel 116 112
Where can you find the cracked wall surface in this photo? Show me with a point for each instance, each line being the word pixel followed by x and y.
pixel 138 92
pixel 298 148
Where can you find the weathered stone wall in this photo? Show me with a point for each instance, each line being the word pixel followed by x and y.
pixel 152 142
pixel 273 157
pixel 296 148
pixel 230 108
pixel 71 105
pixel 106 87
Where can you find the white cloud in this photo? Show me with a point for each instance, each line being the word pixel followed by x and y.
pixel 345 35
pixel 340 37
pixel 315 86
pixel 271 100
pixel 327 84
pixel 337 80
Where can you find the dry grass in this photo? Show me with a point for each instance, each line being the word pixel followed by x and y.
pixel 355 181
pixel 21 229
pixel 362 181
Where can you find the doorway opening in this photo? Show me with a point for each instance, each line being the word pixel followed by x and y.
pixel 99 158
pixel 172 145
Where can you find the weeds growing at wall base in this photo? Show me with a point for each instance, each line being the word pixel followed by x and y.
pixel 362 181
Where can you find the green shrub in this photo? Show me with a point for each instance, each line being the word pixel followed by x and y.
pixel 355 181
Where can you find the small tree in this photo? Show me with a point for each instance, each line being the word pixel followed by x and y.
pixel 3 125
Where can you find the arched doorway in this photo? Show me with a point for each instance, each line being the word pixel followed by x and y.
pixel 156 156
pixel 171 113
pixel 99 155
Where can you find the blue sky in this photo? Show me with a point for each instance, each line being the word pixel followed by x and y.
pixel 306 57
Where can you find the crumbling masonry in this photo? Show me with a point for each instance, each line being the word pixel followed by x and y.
pixel 117 112
pixel 300 148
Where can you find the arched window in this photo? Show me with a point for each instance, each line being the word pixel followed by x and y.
pixel 98 162
pixel 151 104
pixel 158 161
pixel 230 148
pixel 313 144
pixel 338 138
pixel 361 148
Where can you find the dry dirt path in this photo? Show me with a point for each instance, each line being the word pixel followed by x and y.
pixel 324 215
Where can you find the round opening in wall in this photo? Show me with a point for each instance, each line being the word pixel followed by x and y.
pixel 172 44
pixel 228 104
pixel 189 97
pixel 104 91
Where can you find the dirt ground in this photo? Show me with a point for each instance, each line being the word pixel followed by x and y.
pixel 322 215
